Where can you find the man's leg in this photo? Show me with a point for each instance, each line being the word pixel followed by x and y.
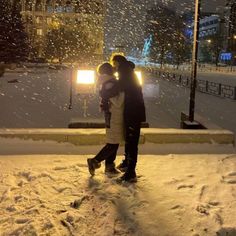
pixel 124 163
pixel 133 134
pixel 133 140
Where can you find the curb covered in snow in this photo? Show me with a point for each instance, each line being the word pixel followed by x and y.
pixel 97 136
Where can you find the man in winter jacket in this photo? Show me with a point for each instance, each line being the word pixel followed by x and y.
pixel 134 114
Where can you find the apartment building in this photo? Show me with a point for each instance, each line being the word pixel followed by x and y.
pixel 42 15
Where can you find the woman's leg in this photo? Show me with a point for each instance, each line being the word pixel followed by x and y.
pixel 111 156
pixel 95 163
pixel 108 153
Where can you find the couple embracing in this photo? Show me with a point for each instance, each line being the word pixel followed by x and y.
pixel 123 106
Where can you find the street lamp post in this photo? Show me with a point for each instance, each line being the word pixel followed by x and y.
pixel 194 60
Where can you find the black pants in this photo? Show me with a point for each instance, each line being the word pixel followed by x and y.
pixel 132 134
pixel 107 153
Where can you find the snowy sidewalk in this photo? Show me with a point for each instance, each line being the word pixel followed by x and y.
pixel 176 195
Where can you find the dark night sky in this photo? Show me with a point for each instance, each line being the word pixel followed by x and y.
pixel 125 21
pixel 180 5
pixel 207 5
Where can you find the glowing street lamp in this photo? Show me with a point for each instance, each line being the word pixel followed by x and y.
pixel 84 81
pixel 85 85
pixel 85 77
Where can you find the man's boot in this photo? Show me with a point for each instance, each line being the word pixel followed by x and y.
pixel 123 166
pixel 111 170
pixel 128 176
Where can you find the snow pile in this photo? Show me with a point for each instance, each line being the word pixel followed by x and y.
pixel 177 195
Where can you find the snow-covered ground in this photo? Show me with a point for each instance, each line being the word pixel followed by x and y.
pixel 176 194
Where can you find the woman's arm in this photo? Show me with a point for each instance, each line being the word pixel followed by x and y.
pixel 109 90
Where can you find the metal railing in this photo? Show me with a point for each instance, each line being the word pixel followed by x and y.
pixel 204 86
pixel 206 68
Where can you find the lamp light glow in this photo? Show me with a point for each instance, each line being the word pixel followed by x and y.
pixel 116 75
pixel 138 73
pixel 85 77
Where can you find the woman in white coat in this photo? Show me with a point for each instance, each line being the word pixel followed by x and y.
pixel 112 104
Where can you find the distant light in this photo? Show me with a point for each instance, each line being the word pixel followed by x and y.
pixel 209 40
pixel 235 36
pixel 226 56
pixel 138 73
pixel 85 77
pixel 116 75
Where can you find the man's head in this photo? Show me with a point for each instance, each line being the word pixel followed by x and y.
pixel 116 60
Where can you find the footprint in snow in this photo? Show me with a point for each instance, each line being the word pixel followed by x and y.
pixel 230 178
pixel 184 186
pixel 60 168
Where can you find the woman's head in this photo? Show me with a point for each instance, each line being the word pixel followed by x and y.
pixel 105 69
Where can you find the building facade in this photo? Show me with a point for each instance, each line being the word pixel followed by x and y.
pixel 209 26
pixel 211 37
pixel 42 15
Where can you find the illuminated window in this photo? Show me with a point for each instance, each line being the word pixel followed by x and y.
pixel 49 20
pixel 39 19
pixel 39 32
